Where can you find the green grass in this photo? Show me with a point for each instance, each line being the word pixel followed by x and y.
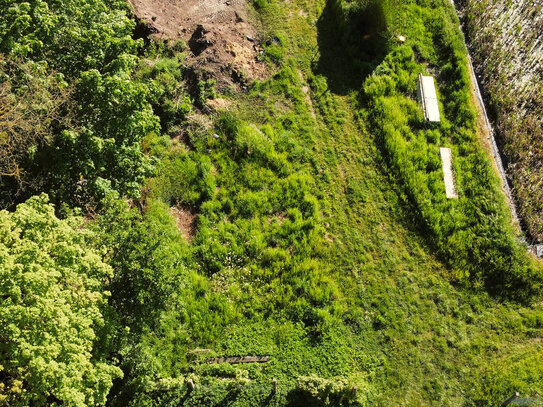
pixel 312 249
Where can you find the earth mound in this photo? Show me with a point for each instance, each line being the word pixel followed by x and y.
pixel 223 43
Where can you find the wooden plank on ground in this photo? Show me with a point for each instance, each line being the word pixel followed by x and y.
pixel 240 359
pixel 428 98
pixel 446 159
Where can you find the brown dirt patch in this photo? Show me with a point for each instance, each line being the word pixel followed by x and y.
pixel 305 90
pixel 186 222
pixel 218 104
pixel 223 43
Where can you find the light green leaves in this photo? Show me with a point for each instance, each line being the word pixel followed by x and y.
pixel 50 305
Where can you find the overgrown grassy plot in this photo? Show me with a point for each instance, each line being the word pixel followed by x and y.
pixel 420 337
pixel 266 288
pixel 474 233
pixel 309 252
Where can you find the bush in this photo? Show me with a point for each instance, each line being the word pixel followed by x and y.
pixel 338 391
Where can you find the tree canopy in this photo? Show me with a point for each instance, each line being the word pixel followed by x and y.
pixel 51 286
pixel 83 56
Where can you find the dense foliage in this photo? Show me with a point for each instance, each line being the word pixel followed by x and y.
pixel 51 310
pixel 93 143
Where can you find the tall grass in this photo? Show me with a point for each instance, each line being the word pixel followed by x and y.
pixel 474 233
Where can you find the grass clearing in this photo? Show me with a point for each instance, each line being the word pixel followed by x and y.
pixel 313 248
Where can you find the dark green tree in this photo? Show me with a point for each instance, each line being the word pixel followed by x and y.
pixel 88 44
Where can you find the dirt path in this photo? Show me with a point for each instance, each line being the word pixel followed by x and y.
pixel 176 18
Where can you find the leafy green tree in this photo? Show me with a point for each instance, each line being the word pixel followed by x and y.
pixel 149 280
pixel 73 36
pixel 97 146
pixel 51 302
pixel 104 152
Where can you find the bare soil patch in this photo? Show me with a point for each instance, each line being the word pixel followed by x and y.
pixel 186 222
pixel 223 43
pixel 218 104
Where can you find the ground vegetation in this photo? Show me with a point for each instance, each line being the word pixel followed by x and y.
pixel 321 238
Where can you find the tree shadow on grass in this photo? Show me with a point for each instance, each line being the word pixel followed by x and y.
pixel 351 45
